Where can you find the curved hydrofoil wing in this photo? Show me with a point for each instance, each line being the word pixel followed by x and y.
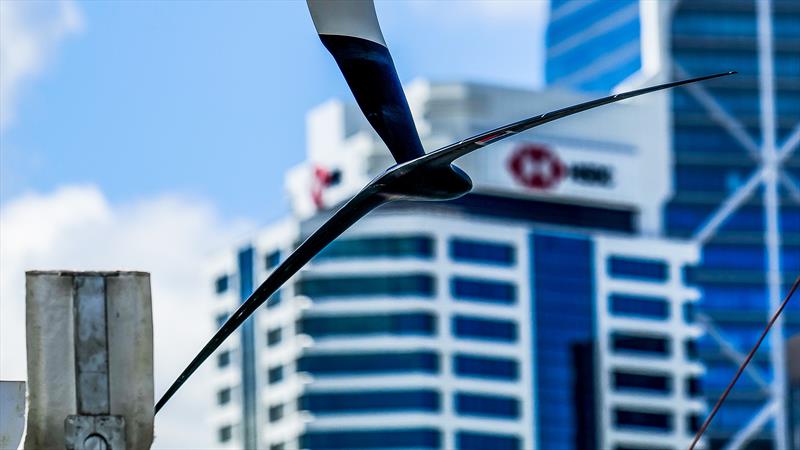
pixel 350 31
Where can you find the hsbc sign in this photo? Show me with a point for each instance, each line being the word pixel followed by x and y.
pixel 536 166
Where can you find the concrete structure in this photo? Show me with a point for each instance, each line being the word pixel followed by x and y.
pixel 735 171
pixel 89 338
pixel 537 312
pixel 12 411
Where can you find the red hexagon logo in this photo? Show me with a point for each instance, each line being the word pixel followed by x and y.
pixel 536 167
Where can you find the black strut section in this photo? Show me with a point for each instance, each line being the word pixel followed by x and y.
pixel 369 71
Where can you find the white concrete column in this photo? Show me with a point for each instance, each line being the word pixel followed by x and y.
pixel 107 316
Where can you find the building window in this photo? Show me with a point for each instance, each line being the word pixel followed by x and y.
pixel 484 329
pixel 275 375
pixel 689 312
pixel 626 419
pixel 639 306
pixel 223 358
pixel 629 381
pixel 221 319
pixel 221 284
pixel 631 343
pixel 485 367
pixel 275 413
pixel 272 260
pixel 224 434
pixel 224 396
pixel 694 386
pixel 278 446
pixel 419 285
pixel 486 405
pixel 418 438
pixel 693 422
pixel 274 337
pixel 690 347
pixel 466 440
pixel 354 363
pixel 415 324
pixel 482 252
pixel 321 403
pixel 274 299
pixel 639 269
pixel 376 247
pixel 490 291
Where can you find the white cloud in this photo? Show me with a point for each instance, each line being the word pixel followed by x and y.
pixel 171 237
pixel 29 34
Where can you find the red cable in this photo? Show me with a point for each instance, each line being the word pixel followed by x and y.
pixel 744 365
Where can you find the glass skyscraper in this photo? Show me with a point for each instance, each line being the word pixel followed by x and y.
pixel 735 182
pixel 593 46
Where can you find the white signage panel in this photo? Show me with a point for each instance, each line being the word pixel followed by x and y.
pixel 545 168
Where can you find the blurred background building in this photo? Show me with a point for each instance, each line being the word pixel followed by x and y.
pixel 542 310
pixel 596 290
pixel 735 170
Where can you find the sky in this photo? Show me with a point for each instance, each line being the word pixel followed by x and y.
pixel 150 135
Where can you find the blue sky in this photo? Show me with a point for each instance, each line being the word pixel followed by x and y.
pixel 207 99
pixel 154 135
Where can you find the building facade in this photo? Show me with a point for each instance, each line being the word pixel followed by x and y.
pixel 540 311
pixel 735 180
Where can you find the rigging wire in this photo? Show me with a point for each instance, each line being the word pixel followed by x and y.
pixel 744 364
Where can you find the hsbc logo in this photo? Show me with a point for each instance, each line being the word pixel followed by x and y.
pixel 322 178
pixel 538 167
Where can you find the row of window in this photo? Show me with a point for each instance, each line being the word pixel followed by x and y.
pixel 464 365
pixel 745 62
pixel 732 23
pixel 416 285
pixel 633 420
pixel 461 249
pixel 651 346
pixel 646 307
pixel 319 288
pixel 395 285
pixel 423 400
pixel 690 217
pixel 419 438
pixel 638 268
pixel 652 383
pixel 400 324
pixel 467 366
pixel 737 102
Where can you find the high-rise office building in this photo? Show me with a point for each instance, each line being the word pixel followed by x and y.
pixel 736 172
pixel 593 46
pixel 531 313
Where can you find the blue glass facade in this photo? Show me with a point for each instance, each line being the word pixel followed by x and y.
pixel 593 45
pixel 710 165
pixel 563 311
pixel 245 262
pixel 708 36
